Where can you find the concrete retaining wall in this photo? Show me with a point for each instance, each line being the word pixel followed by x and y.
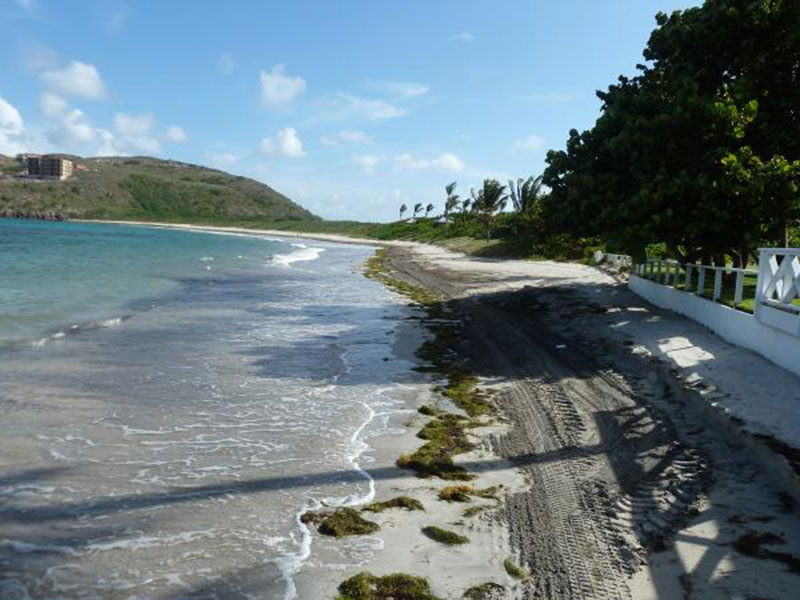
pixel 732 325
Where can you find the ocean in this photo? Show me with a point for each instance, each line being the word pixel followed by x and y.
pixel 173 400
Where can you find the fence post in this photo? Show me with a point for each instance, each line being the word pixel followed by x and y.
pixel 701 280
pixel 687 284
pixel 763 278
pixel 737 295
pixel 717 284
pixel 658 274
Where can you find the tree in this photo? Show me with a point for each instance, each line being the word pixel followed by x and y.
pixel 403 208
pixel 465 205
pixel 490 200
pixel 417 208
pixel 699 150
pixel 428 209
pixel 526 193
pixel 451 203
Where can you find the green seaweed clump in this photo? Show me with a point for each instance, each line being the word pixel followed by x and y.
pixel 446 436
pixel 397 586
pixel 485 591
pixel 443 536
pixel 464 493
pixel 429 411
pixel 346 521
pixel 456 493
pixel 463 390
pixel 398 502
pixel 473 510
pixel 515 571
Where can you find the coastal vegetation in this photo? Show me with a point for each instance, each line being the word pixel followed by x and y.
pixel 699 152
pixel 443 536
pixel 143 188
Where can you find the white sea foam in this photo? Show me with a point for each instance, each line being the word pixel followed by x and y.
pixel 27 548
pixel 301 254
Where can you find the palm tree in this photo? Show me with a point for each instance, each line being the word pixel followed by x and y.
pixel 490 200
pixel 417 208
pixel 403 208
pixel 428 209
pixel 526 193
pixel 465 205
pixel 452 201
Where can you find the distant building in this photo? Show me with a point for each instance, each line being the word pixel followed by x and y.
pixel 49 167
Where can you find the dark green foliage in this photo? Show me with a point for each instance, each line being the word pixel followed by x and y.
pixel 398 502
pixel 700 150
pixel 347 521
pixel 397 586
pixel 443 536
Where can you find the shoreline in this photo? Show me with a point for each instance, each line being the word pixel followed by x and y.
pixel 450 570
pixel 322 237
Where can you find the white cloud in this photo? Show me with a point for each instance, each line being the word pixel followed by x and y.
pixel 226 63
pixel 279 90
pixel 135 132
pixel 532 143
pixel 71 130
pixel 400 90
pixel 347 136
pixel 443 162
pixel 221 160
pixel 11 126
pixel 286 144
pixel 342 106
pixel 464 37
pixel 176 135
pixel 367 162
pixel 78 79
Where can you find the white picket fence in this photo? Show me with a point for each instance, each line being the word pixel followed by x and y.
pixel 773 329
pixel 682 276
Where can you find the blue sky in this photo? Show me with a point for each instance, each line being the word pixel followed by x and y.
pixel 350 108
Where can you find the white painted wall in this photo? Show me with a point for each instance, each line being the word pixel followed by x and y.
pixel 732 325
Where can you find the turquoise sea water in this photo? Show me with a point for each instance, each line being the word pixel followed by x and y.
pixel 65 274
pixel 172 401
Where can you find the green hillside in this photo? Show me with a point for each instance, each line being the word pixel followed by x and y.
pixel 144 188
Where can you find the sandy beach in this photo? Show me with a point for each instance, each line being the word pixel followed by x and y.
pixel 614 481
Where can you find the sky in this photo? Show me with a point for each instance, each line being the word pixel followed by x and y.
pixel 350 108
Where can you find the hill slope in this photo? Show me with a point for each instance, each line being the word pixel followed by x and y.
pixel 144 188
